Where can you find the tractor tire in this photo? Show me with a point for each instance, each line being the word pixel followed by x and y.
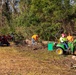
pixel 59 51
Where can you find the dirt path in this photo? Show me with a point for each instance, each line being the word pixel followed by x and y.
pixel 13 62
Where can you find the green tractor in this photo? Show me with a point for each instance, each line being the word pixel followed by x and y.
pixel 60 48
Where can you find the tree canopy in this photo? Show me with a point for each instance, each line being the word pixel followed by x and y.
pixel 44 17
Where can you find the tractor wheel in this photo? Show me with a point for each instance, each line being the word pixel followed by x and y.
pixel 59 51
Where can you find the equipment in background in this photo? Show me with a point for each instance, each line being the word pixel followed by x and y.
pixel 4 41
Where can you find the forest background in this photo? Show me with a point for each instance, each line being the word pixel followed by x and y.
pixel 44 17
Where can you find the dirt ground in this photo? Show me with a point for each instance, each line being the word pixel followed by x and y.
pixel 22 60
